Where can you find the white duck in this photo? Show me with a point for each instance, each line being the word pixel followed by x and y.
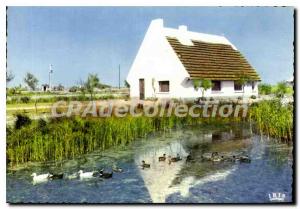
pixel 85 175
pixel 40 178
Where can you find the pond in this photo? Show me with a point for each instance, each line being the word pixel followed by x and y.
pixel 198 181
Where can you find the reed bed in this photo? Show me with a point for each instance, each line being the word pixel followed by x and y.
pixel 66 138
pixel 273 119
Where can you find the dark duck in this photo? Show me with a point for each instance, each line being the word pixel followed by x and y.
pixel 175 159
pixel 105 175
pixel 145 165
pixel 57 176
pixel 245 159
pixel 189 158
pixel 162 158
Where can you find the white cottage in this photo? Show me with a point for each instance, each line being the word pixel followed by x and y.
pixel 169 59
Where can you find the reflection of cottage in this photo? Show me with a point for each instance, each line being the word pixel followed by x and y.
pixel 45 87
pixel 169 59
pixel 158 179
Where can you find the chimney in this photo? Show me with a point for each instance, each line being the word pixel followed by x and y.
pixel 182 28
pixel 157 23
pixel 183 37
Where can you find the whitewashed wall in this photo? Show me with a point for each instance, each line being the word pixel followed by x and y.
pixel 156 60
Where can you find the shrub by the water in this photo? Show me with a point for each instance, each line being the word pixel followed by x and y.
pixel 22 120
pixel 25 99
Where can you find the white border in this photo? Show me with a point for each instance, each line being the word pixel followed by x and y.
pixel 103 3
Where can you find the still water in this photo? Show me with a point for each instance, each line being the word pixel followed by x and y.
pixel 270 171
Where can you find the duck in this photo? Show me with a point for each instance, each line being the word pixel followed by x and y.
pixel 162 158
pixel 116 169
pixel 224 158
pixel 175 159
pixel 216 159
pixel 235 159
pixel 105 175
pixel 57 176
pixel 214 154
pixel 189 158
pixel 72 176
pixel 86 175
pixel 245 159
pixel 145 165
pixel 41 178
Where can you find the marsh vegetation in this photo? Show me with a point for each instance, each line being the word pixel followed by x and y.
pixel 66 138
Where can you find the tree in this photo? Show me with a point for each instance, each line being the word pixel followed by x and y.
pixel 204 84
pixel 243 79
pixel 31 81
pixel 73 89
pixel 60 87
pixel 9 76
pixel 91 83
pixel 281 89
pixel 265 89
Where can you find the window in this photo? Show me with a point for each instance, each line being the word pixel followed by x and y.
pixel 216 85
pixel 237 86
pixel 164 86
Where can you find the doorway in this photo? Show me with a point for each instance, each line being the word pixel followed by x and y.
pixel 142 88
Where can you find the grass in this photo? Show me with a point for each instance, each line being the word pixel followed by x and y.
pixel 55 98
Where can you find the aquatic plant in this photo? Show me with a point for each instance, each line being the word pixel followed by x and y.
pixel 273 119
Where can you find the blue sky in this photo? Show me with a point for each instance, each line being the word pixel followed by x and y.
pixel 82 40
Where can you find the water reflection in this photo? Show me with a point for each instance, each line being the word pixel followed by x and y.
pixel 164 179
pixel 196 181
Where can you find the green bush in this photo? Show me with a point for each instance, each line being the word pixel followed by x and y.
pixel 74 89
pixel 11 91
pixel 25 99
pixel 281 89
pixel 21 121
pixel 265 89
pixel 253 97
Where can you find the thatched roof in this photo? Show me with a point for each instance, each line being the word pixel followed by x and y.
pixel 213 61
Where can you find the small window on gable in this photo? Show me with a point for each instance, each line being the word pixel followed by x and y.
pixel 216 86
pixel 237 86
pixel 164 86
